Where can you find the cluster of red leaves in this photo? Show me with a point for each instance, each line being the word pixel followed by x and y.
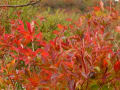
pixel 64 62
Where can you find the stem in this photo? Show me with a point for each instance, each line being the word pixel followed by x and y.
pixel 33 46
pixel 83 61
pixel 82 84
pixel 87 84
pixel 84 65
pixel 12 83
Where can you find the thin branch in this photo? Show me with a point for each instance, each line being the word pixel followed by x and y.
pixel 24 5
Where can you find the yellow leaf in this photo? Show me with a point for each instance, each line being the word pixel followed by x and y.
pixel 97 69
pixel 11 63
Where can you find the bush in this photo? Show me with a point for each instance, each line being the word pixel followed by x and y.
pixel 84 54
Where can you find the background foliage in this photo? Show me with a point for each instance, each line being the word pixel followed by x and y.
pixel 71 48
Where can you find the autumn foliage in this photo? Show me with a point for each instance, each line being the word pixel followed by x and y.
pixel 89 57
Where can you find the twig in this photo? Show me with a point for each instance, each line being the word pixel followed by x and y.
pixel 24 5
pixel 110 6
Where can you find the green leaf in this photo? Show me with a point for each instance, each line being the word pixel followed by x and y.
pixel 97 68
pixel 106 87
pixel 94 87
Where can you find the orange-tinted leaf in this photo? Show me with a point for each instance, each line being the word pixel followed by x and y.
pixel 34 80
pixel 117 29
pixel 46 74
pixel 2 69
pixel 58 63
pixel 61 76
pixel 11 63
pixel 69 64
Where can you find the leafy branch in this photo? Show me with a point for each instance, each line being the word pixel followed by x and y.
pixel 31 3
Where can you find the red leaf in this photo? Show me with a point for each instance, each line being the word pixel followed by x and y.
pixel 35 80
pixel 71 26
pixel 105 63
pixel 117 66
pixel 52 43
pixel 44 53
pixel 56 32
pixel 87 36
pixel 30 27
pixel 27 61
pixel 39 36
pixel 12 22
pixel 21 26
pixel 28 39
pixel 42 19
pixel 96 8
pixel 43 43
pixel 46 74
pixel 60 26
pixel 69 64
pixel 69 19
pixel 58 63
pixel 38 50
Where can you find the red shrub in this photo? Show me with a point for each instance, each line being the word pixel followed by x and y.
pixel 68 62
